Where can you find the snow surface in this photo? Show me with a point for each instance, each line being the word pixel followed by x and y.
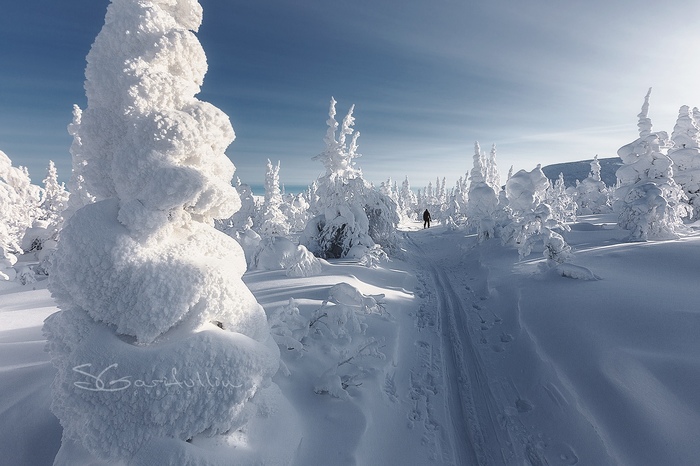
pixel 469 357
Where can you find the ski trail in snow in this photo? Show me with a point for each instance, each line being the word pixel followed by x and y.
pixel 479 430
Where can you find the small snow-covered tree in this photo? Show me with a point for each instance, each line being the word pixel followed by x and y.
pixel 561 200
pixel 407 200
pixel 49 215
pixel 648 201
pixel 592 196
pixel 353 218
pixel 148 289
pixel 532 219
pixel 492 177
pixel 273 222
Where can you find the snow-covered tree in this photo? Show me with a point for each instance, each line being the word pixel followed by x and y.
pixel 592 196
pixel 532 218
pixel 353 218
pixel 492 177
pixel 273 222
pixel 49 217
pixel 685 154
pixel 19 202
pixel 482 201
pixel 78 193
pixel 148 289
pixel 407 200
pixel 648 201
pixel 561 200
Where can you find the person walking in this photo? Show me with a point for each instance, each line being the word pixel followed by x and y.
pixel 426 219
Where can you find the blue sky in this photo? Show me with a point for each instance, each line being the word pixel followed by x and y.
pixel 546 81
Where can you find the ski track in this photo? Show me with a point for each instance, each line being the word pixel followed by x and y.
pixel 482 429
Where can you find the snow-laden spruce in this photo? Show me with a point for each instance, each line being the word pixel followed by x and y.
pixel 158 340
pixel 648 201
pixel 353 219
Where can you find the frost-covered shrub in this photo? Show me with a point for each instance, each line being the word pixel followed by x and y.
pixel 342 314
pixel 288 327
pixel 648 201
pixel 152 302
pixel 350 213
pixel 280 253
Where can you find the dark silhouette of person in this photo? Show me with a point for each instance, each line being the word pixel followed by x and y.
pixel 426 219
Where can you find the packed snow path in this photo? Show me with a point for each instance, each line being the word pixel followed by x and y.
pixel 486 419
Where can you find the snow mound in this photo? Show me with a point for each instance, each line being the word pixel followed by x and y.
pixel 280 253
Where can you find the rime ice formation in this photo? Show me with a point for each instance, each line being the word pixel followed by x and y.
pixel 158 339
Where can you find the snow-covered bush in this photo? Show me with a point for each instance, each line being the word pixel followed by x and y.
pixel 352 215
pixel 288 327
pixel 158 340
pixel 279 253
pixel 648 201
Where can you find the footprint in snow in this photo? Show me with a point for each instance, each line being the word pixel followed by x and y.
pixel 523 406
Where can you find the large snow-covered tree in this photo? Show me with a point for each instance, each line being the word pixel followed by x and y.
pixel 352 218
pixel 148 289
pixel 648 201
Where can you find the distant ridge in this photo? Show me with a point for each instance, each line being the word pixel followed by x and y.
pixel 579 170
